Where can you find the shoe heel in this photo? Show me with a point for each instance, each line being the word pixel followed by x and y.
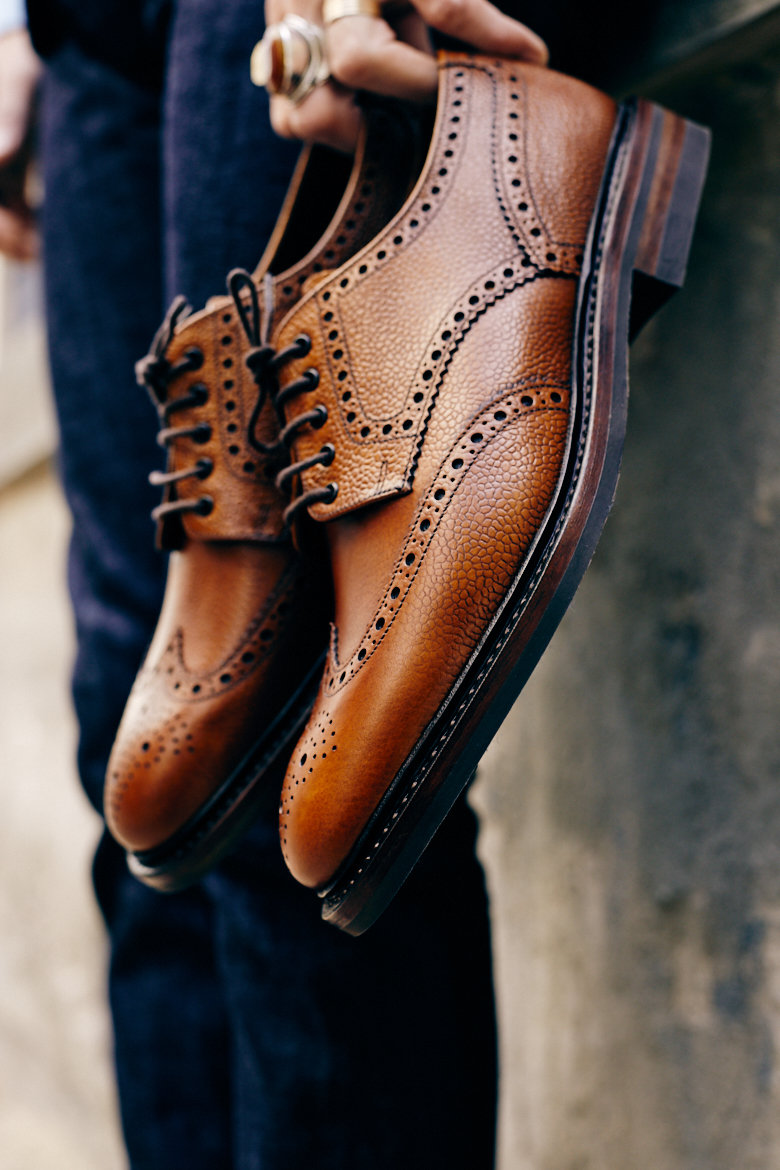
pixel 675 166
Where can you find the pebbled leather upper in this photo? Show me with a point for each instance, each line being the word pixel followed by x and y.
pixel 461 329
pixel 245 504
pixel 245 616
pixel 385 326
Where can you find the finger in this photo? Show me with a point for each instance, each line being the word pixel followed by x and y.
pixel 480 24
pixel 364 54
pixel 328 115
pixel 412 30
pixel 18 236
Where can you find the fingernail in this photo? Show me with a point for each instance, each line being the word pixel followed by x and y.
pixel 9 142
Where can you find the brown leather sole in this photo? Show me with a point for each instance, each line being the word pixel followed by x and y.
pixel 636 256
pixel 218 825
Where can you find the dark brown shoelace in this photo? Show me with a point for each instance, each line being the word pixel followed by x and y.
pixel 156 373
pixel 264 363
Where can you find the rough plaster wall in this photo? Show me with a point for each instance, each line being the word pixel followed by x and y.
pixel 27 426
pixel 631 803
pixel 57 1100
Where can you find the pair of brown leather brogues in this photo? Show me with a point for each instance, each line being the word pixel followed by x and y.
pixel 426 382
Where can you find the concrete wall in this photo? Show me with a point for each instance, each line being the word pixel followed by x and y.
pixel 631 802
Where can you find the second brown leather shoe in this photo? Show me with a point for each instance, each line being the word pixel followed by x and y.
pixel 472 363
pixel 236 658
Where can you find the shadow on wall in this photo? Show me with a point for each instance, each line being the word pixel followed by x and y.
pixel 630 803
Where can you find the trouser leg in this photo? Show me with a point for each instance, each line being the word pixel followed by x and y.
pixel 350 1054
pixel 372 1052
pixel 102 227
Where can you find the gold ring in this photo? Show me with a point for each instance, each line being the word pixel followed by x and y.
pixel 336 9
pixel 290 60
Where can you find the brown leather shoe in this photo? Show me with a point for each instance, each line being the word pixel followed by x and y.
pixel 235 662
pixel 472 362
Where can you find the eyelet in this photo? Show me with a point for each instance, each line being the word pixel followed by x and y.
pixel 194 357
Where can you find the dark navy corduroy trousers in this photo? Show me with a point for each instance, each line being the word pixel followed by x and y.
pixel 248 1033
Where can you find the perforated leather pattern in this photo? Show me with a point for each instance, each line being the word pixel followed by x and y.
pixel 171 676
pixel 184 730
pixel 514 182
pixel 367 207
pixel 462 329
pixel 474 442
pixel 443 591
pixel 507 217
pixel 246 503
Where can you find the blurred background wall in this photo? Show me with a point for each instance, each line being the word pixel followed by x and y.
pixel 57 1107
pixel 631 802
